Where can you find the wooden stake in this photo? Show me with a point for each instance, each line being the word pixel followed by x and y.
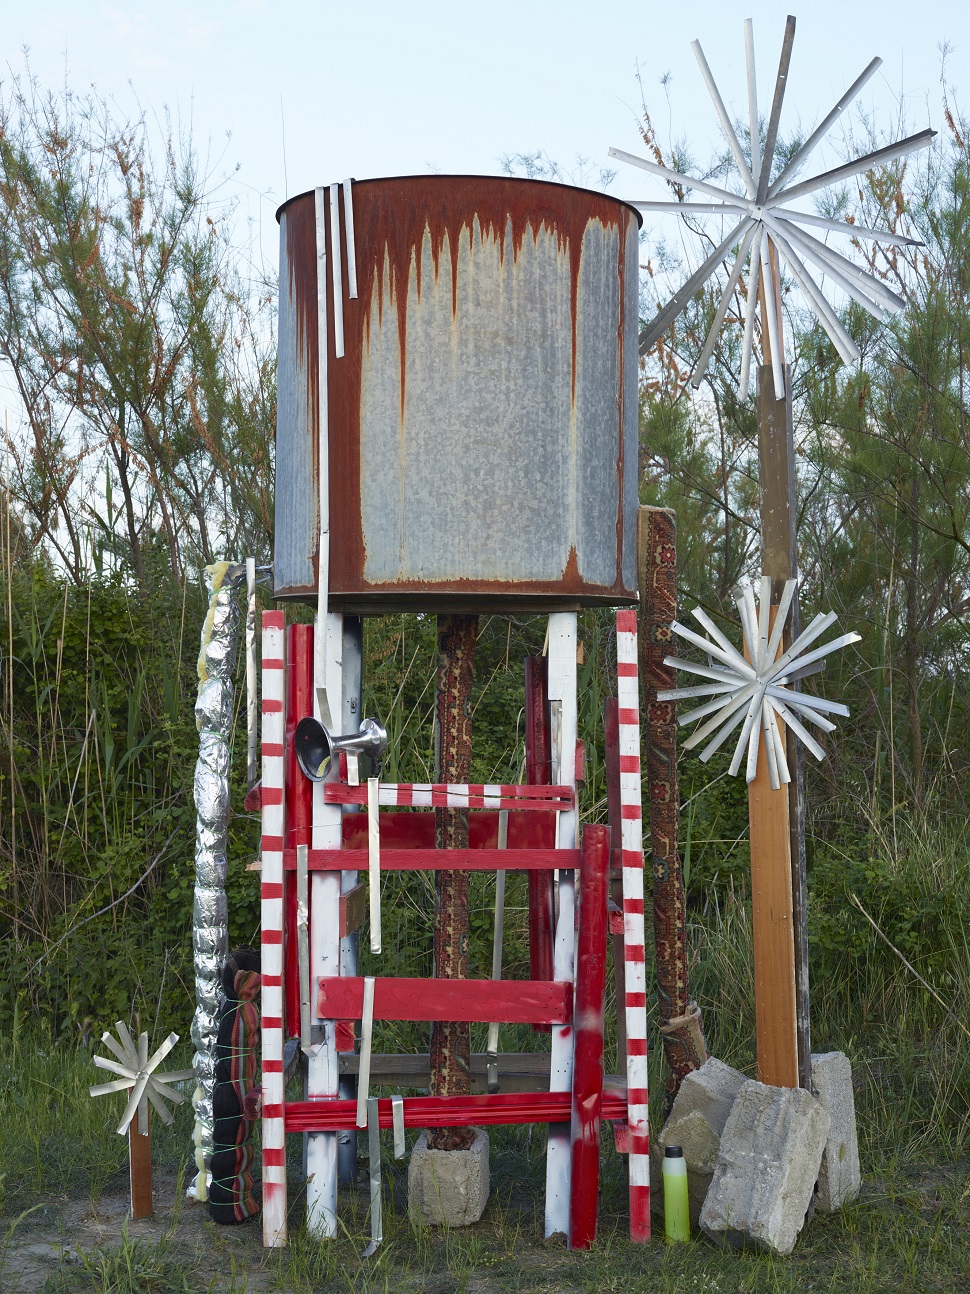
pixel 140 1166
pixel 772 928
pixel 776 470
pixel 781 952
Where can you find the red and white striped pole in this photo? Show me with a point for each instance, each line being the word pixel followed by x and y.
pixel 628 697
pixel 271 930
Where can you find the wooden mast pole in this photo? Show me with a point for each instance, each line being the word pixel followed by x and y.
pixel 777 818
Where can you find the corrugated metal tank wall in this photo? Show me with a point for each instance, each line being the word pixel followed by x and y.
pixel 483 419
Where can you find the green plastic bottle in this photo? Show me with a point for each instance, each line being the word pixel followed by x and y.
pixel 676 1206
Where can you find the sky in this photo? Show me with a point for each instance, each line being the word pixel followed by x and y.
pixel 283 96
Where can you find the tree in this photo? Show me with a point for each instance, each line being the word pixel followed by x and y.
pixel 142 359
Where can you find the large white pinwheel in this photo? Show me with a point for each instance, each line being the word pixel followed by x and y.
pixel 765 220
pixel 137 1070
pixel 753 691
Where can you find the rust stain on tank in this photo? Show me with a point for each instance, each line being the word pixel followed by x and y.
pixel 402 213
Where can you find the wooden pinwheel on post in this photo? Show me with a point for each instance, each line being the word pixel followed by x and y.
pixel 137 1070
pixel 766 229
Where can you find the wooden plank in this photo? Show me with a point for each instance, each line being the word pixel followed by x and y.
pixel 474 1001
pixel 448 1111
pixel 772 926
pixel 452 860
pixel 353 909
pixel 776 472
pixel 140 1166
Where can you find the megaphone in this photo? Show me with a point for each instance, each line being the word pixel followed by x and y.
pixel 315 747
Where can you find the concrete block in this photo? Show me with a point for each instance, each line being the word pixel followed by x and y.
pixel 839 1179
pixel 771 1151
pixel 697 1119
pixel 448 1188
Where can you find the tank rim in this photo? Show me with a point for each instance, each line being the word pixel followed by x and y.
pixel 517 179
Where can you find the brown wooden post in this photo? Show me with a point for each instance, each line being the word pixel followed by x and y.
pixel 679 1018
pixel 450 1059
pixel 777 828
pixel 140 1166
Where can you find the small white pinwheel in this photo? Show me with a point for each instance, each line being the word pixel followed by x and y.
pixel 137 1070
pixel 754 692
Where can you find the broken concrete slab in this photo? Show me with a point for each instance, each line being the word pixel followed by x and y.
pixel 697 1119
pixel 839 1178
pixel 770 1154
pixel 448 1188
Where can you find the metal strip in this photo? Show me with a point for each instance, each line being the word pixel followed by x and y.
pixel 682 298
pixel 722 309
pixel 880 157
pixel 497 938
pixel 252 665
pixel 771 135
pixel 374 861
pixel 323 470
pixel 725 120
pixel 751 305
pixel 374 1155
pixel 348 187
pixel 366 1044
pixel 336 270
pixel 754 120
pixel 397 1119
pixel 774 323
pixel 801 157
pixel 843 227
pixel 303 944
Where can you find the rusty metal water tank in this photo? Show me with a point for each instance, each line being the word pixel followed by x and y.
pixel 483 418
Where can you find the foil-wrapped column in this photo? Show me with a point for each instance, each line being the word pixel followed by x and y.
pixel 450 1060
pixel 680 1019
pixel 210 946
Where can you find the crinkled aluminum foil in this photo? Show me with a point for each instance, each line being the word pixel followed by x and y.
pixel 210 915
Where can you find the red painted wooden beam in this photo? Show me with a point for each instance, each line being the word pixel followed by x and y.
pixel 331 1115
pixel 477 1001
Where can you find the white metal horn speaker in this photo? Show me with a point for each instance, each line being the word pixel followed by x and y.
pixel 315 746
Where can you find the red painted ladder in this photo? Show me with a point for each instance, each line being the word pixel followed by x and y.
pixel 295 813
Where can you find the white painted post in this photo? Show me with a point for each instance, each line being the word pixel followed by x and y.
pixel 562 695
pixel 324 1076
